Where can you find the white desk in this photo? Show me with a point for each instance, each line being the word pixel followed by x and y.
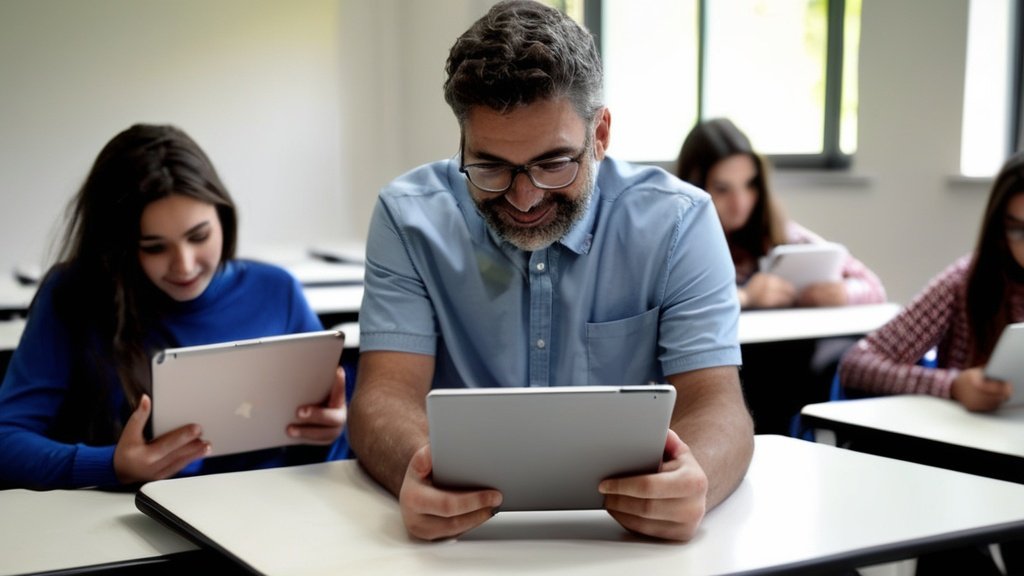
pixel 10 333
pixel 806 323
pixel 14 297
pixel 802 506
pixel 334 300
pixel 68 529
pixel 930 430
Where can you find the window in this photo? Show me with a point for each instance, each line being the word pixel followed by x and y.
pixel 992 81
pixel 773 66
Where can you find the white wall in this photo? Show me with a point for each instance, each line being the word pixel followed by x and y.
pixel 255 82
pixel 308 107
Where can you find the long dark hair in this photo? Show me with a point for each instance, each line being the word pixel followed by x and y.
pixel 993 268
pixel 707 144
pixel 103 296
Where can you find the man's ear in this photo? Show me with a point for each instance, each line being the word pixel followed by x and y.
pixel 602 133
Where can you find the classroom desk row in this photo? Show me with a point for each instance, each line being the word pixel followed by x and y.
pixel 927 430
pixel 337 298
pixel 803 507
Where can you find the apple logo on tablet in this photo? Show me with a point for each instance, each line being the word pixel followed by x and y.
pixel 244 410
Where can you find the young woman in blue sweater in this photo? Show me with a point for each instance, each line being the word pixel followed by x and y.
pixel 147 263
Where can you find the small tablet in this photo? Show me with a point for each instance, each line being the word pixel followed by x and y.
pixel 244 393
pixel 1007 361
pixel 547 448
pixel 805 264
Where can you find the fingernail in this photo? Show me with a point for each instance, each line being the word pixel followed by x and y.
pixel 208 449
pixel 304 412
pixel 294 433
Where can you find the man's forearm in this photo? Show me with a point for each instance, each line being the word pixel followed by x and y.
pixel 387 420
pixel 717 427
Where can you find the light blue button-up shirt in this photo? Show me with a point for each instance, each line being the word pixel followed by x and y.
pixel 642 286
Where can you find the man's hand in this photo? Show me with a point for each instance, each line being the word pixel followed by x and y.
pixel 136 460
pixel 431 513
pixel 668 504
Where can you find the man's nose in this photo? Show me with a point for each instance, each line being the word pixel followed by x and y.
pixel 524 195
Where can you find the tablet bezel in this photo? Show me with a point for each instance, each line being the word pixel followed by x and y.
pixel 547 448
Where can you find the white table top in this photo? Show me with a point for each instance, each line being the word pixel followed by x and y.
pixel 334 299
pixel 801 504
pixel 930 418
pixel 804 323
pixel 10 333
pixel 14 297
pixel 64 529
pixel 333 263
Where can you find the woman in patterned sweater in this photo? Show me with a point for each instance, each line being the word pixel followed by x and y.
pixel 718 157
pixel 962 312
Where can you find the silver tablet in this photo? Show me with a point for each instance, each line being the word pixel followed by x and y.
pixel 547 448
pixel 244 393
pixel 1007 361
pixel 805 264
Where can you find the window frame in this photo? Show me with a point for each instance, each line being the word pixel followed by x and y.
pixel 1016 133
pixel 831 157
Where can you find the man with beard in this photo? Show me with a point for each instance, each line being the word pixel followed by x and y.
pixel 533 259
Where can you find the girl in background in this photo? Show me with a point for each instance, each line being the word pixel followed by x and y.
pixel 717 157
pixel 147 263
pixel 961 312
pixel 779 378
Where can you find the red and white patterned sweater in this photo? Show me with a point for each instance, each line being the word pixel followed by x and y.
pixel 884 362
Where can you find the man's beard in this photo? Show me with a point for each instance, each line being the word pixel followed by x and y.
pixel 567 212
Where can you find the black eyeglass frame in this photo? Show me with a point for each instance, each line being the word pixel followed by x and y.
pixel 515 170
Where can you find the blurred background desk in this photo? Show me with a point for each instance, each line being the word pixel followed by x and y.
pixel 928 430
pixel 15 297
pixel 790 357
pixel 760 326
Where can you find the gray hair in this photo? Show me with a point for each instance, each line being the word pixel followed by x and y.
pixel 519 53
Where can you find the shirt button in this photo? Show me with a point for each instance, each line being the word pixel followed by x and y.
pixel 541 344
pixel 540 266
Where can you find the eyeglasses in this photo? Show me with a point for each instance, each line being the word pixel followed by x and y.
pixel 546 174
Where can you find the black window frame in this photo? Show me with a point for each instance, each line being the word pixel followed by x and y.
pixel 1016 135
pixel 832 156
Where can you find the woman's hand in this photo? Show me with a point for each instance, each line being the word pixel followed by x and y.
pixel 823 294
pixel 978 393
pixel 765 290
pixel 323 423
pixel 136 460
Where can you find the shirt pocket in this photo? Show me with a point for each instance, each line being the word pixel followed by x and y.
pixel 623 352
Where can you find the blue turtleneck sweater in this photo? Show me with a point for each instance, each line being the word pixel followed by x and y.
pixel 244 300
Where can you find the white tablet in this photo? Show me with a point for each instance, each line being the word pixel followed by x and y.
pixel 546 448
pixel 1007 361
pixel 805 264
pixel 244 393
